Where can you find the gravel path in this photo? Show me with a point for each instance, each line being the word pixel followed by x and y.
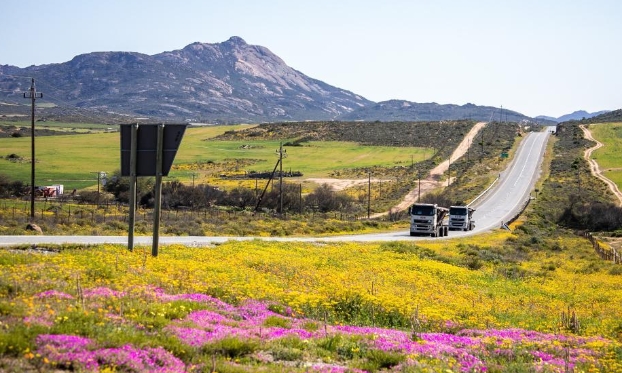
pixel 431 182
pixel 594 168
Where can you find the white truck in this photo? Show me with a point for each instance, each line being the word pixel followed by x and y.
pixel 461 218
pixel 427 219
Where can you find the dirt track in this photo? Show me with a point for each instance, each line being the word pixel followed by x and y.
pixel 594 168
pixel 428 184
pixel 341 184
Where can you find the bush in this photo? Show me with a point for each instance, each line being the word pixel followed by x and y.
pixel 12 188
pixel 379 360
pixel 231 347
pixel 275 321
pixel 19 338
pixel 119 186
pixel 325 199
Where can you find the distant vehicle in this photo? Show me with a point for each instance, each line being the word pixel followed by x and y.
pixel 461 218
pixel 427 219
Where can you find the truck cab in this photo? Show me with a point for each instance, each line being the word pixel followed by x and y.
pixel 427 219
pixel 461 218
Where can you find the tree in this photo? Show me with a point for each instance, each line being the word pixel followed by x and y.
pixel 240 197
pixel 325 199
pixel 10 188
pixel 119 186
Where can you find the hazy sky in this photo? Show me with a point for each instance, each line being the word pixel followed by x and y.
pixel 538 57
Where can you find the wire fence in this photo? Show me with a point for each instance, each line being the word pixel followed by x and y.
pixel 606 253
pixel 53 212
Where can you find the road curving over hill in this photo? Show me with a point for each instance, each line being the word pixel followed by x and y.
pixel 501 203
pixel 513 189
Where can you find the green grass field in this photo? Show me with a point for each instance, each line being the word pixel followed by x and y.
pixel 61 126
pixel 609 157
pixel 73 160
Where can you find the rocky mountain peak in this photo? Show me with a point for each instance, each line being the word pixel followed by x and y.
pixel 236 40
pixel 225 82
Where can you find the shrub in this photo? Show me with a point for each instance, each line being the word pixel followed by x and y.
pixel 379 359
pixel 12 188
pixel 408 248
pixel 231 347
pixel 473 263
pixel 18 338
pixel 324 199
pixel 287 353
pixel 275 321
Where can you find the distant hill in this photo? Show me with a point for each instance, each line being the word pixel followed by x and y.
pixel 411 111
pixel 545 117
pixel 228 82
pixel 577 115
pixel 610 116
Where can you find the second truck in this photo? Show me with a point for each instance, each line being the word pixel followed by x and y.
pixel 461 218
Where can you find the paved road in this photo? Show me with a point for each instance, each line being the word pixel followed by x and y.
pixel 515 184
pixel 502 202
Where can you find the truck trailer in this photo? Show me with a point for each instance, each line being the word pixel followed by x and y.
pixel 461 218
pixel 427 219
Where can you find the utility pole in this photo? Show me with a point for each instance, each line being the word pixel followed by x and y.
pixel 32 95
pixel 369 196
pixel 419 184
pixel 482 143
pixel 449 172
pixel 99 175
pixel 300 197
pixel 280 151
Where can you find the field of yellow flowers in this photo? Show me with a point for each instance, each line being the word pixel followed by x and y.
pixel 466 305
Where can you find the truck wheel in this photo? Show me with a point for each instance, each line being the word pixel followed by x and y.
pixel 412 233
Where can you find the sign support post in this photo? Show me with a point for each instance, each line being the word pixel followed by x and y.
pixel 132 197
pixel 148 150
pixel 158 191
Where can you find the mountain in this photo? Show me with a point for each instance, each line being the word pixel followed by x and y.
pixel 577 115
pixel 545 117
pixel 396 110
pixel 608 116
pixel 228 81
